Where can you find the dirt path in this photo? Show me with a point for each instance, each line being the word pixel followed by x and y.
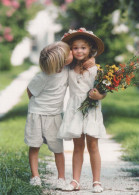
pixel 114 180
pixel 11 95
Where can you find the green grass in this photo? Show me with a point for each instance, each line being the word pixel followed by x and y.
pixel 14 166
pixel 126 131
pixel 15 175
pixel 6 77
pixel 121 117
pixel 123 103
pixel 134 172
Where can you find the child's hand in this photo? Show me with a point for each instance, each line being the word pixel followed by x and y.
pixel 95 95
pixel 89 63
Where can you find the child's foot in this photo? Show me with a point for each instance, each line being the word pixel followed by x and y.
pixel 35 181
pixel 60 184
pixel 97 187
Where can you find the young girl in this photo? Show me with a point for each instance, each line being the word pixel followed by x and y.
pixel 84 44
pixel 46 92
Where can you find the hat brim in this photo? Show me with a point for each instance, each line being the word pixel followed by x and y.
pixel 99 43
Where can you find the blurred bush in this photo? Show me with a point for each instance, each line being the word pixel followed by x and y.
pixel 14 16
pixel 115 22
pixel 5 55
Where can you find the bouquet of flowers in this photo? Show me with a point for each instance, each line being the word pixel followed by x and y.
pixel 109 79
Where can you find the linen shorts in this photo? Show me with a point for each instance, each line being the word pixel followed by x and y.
pixel 41 129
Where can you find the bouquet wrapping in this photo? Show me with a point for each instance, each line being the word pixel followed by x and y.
pixel 109 79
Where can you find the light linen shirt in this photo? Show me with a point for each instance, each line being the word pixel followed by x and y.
pixel 48 93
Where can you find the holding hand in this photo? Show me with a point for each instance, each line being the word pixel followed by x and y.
pixel 89 63
pixel 95 95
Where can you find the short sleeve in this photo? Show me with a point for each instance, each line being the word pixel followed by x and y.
pixel 37 84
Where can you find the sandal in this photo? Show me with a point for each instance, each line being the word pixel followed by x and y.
pixel 70 187
pixel 97 188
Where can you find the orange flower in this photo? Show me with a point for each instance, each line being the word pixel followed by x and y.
pixel 128 79
pixel 122 65
pixel 131 64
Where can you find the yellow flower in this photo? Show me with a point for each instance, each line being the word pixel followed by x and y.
pixel 98 65
pixel 111 70
pixel 108 78
pixel 115 67
pixel 110 74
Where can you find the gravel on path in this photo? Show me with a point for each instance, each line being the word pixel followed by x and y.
pixel 114 180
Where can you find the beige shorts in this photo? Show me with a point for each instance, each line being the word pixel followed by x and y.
pixel 41 129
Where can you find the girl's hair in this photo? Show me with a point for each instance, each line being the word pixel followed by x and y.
pixel 53 57
pixel 93 48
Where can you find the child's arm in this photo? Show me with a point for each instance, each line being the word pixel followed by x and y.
pixel 89 63
pixel 95 95
pixel 29 93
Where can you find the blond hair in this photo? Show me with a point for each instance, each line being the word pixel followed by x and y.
pixel 53 57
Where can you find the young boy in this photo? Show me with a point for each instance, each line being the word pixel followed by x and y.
pixel 46 92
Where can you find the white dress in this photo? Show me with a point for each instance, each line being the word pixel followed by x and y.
pixel 74 124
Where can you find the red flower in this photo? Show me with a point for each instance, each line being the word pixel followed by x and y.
pixel 66 34
pixel 80 30
pixel 116 82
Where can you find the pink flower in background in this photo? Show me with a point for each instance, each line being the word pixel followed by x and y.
pixel 15 4
pixel 69 1
pixel 29 3
pixel 7 34
pixel 47 2
pixel 6 2
pixel 8 37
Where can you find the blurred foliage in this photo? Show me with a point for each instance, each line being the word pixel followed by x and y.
pixel 14 16
pixel 97 16
pixel 5 54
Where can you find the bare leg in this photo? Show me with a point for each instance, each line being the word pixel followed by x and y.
pixel 33 160
pixel 77 160
pixel 95 160
pixel 60 164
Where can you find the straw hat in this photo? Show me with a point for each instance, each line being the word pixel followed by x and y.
pixel 82 31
